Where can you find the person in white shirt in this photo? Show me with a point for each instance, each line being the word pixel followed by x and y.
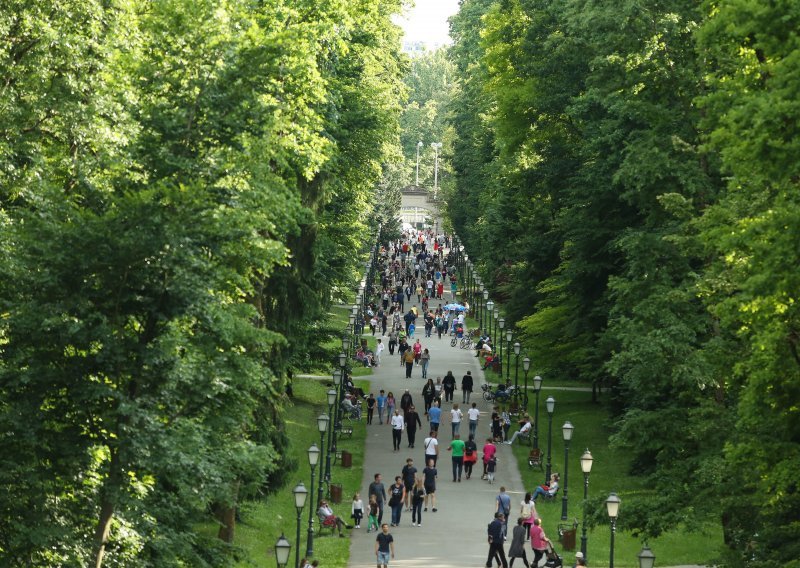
pixel 474 415
pixel 398 423
pixel 455 419
pixel 378 353
pixel 525 428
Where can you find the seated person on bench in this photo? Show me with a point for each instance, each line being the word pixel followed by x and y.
pixel 524 430
pixel 550 489
pixel 326 514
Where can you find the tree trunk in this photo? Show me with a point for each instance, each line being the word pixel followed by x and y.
pixel 107 506
pixel 226 515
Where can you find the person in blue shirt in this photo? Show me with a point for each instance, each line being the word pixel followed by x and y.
pixel 381 405
pixel 434 416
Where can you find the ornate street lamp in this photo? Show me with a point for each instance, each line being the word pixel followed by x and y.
pixel 419 145
pixel 586 467
pixel 612 505
pixel 509 337
pixel 517 348
pixel 494 331
pixel 486 308
pixel 550 404
pixel 300 494
pixel 566 430
pixel 332 396
pixel 537 387
pixel 501 323
pixel 526 365
pixel 283 548
pixel 323 420
pixel 313 460
pixel 646 558
pixel 489 313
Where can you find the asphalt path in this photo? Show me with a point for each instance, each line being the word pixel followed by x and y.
pixel 456 534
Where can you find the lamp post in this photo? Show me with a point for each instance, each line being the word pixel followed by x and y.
pixel 419 145
pixel 586 467
pixel 501 323
pixel 436 147
pixel 489 313
pixel 486 308
pixel 338 379
pixel 300 494
pixel 283 549
pixel 646 558
pixel 612 505
pixel 313 459
pixel 537 386
pixel 566 430
pixel 517 348
pixel 331 401
pixel 352 319
pixel 509 337
pixel 494 331
pixel 550 404
pixel 323 421
pixel 526 365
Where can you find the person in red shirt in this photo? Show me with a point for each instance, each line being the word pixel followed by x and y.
pixel 489 450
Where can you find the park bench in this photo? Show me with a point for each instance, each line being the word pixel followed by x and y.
pixel 535 458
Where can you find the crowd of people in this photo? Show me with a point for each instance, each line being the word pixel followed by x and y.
pixel 414 270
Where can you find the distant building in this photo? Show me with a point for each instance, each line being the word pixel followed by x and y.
pixel 412 48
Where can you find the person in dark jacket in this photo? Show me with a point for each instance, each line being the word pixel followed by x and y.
pixel 466 386
pixel 495 534
pixel 412 423
pixel 449 385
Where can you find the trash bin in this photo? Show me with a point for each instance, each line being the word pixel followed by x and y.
pixel 347 459
pixel 336 492
pixel 567 537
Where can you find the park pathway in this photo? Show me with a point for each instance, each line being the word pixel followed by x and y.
pixel 455 536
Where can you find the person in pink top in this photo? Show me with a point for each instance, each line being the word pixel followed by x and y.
pixel 538 541
pixel 417 350
pixel 489 450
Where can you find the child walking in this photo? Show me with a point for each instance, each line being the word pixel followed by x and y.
pixel 491 465
pixel 357 510
pixel 372 520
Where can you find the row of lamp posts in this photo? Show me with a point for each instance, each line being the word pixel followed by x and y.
pixel 283 546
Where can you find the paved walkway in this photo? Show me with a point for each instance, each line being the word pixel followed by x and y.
pixel 455 536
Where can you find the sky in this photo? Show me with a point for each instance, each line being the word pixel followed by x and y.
pixel 427 21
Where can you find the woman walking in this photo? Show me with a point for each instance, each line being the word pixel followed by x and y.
pixel 517 548
pixel 470 455
pixel 455 419
pixel 424 360
pixel 527 511
pixel 417 499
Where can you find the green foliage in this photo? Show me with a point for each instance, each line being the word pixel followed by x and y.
pixel 626 180
pixel 184 190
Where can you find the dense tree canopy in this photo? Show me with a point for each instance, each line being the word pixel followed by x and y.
pixel 630 173
pixel 184 188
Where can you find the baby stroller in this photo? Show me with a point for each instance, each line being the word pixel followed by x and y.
pixel 553 559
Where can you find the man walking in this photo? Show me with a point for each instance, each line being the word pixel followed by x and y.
pixel 466 387
pixel 431 448
pixel 384 547
pixel 376 488
pixel 381 400
pixel 495 534
pixel 503 505
pixel 457 447
pixel 435 416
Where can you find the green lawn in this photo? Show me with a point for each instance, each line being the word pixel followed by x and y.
pixel 609 473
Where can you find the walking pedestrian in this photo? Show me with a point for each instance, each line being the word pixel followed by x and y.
pixel 409 475
pixel 539 541
pixel 517 548
pixel 412 422
pixel 466 387
pixel 381 401
pixel 372 520
pixel 449 384
pixel 406 401
pixel 474 415
pixel 431 444
pixel 434 416
pixel 457 449
pixel 397 429
pixel 378 353
pixel 424 360
pixel 408 359
pixel 389 407
pixel 430 475
pixel 384 547
pixel 378 491
pixel 371 402
pixel 527 511
pixel 417 499
pixel 427 394
pixel 470 455
pixel 397 494
pixel 357 510
pixel 502 504
pixel 455 419
pixel 495 534
pixel 392 341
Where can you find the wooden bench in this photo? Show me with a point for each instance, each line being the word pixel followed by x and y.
pixel 535 458
pixel 525 437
